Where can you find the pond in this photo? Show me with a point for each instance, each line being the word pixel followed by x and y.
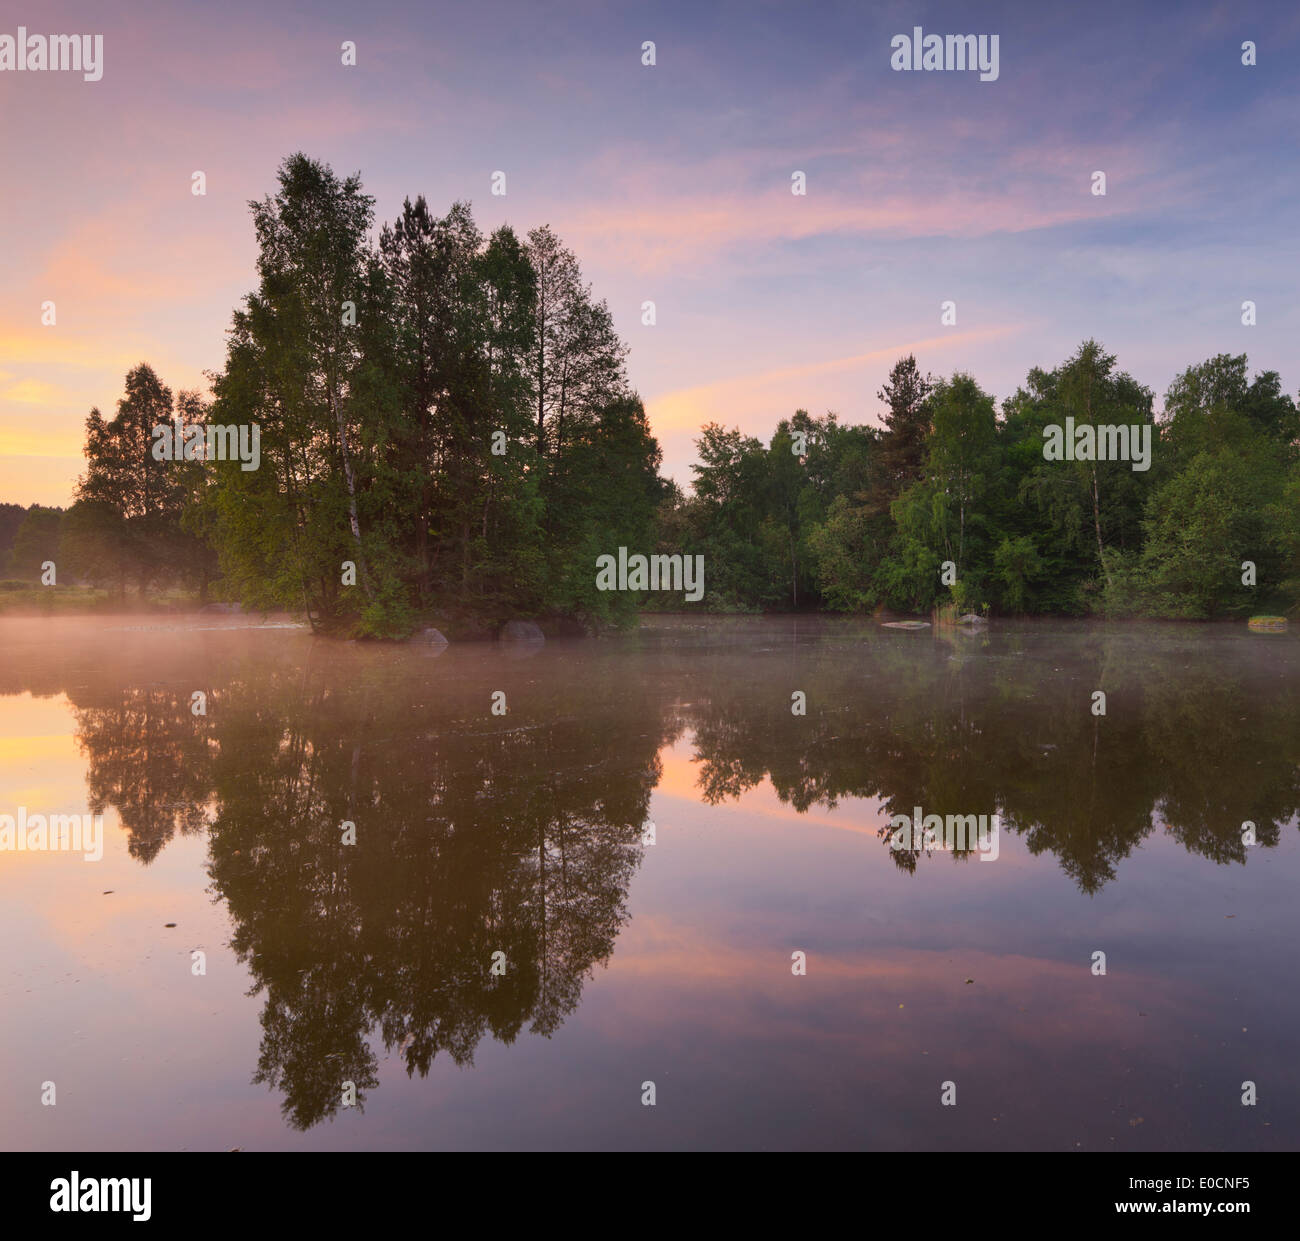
pixel 650 891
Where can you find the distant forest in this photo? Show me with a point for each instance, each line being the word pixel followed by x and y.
pixel 448 436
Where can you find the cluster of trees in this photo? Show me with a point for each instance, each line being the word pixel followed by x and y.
pixel 132 520
pixel 446 430
pixel 449 413
pixel 854 518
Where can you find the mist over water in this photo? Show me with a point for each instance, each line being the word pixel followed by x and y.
pixel 670 961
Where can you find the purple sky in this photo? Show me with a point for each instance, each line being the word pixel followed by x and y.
pixel 671 184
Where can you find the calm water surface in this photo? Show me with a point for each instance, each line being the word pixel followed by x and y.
pixel 668 962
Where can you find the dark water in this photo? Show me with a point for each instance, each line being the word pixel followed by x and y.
pixel 670 962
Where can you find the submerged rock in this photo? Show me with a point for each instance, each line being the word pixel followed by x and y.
pixel 971 619
pixel 907 624
pixel 428 637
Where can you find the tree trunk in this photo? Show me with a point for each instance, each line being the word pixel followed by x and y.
pixel 1096 523
pixel 350 478
pixel 541 380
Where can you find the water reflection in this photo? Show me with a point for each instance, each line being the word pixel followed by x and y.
pixel 1201 734
pixel 520 834
pixel 474 836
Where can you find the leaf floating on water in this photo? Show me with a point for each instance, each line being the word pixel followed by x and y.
pixel 169 924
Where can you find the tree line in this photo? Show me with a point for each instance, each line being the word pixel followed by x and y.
pixel 953 502
pixel 448 436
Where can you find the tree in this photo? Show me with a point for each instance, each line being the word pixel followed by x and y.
pixel 577 358
pixel 1017 565
pixel 126 523
pixel 962 459
pixel 841 551
pixel 36 541
pixel 11 517
pixel 1203 393
pixel 726 515
pixel 1203 524
pixel 607 498
pixel 902 449
pixel 1090 506
pixel 285 531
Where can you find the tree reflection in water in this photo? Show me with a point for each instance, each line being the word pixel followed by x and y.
pixel 478 834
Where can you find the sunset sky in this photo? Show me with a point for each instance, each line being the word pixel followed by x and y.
pixel 671 184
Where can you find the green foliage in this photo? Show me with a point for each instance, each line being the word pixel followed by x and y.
pixel 868 517
pixel 35 542
pixel 1203 525
pixel 449 414
pixel 603 492
pixel 11 517
pixel 388 614
pixel 462 432
pixel 842 554
pixel 126 525
pixel 1017 565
